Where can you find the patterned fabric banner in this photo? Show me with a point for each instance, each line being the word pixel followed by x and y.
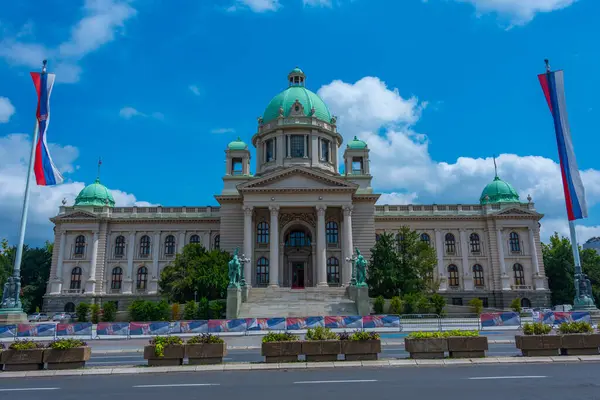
pixel 500 319
pixel 112 329
pixel 559 317
pixel 8 331
pixel 193 326
pixel 265 324
pixel 36 330
pixel 78 329
pixel 337 322
pixel 227 325
pixel 295 324
pixel 381 321
pixel 149 328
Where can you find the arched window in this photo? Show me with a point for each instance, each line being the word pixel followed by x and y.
pixel 333 271
pixel 194 239
pixel 120 246
pixel 475 243
pixel 117 278
pixel 262 271
pixel 332 232
pixel 75 279
pixel 525 302
pixel 478 275
pixel 80 245
pixel 515 244
pixel 70 307
pixel 450 243
pixel 519 274
pixel 453 275
pixel 170 245
pixel 297 239
pixel 399 241
pixel 425 238
pixel 217 242
pixel 262 233
pixel 141 283
pixel 145 246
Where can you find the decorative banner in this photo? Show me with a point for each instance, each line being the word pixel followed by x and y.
pixel 296 324
pixel 78 329
pixel 193 326
pixel 8 331
pixel 560 317
pixel 149 328
pixel 336 322
pixel 380 321
pixel 265 324
pixel 112 329
pixel 36 330
pixel 500 319
pixel 226 325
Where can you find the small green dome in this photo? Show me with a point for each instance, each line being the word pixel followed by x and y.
pixel 96 195
pixel 499 192
pixel 237 145
pixel 357 144
pixel 297 71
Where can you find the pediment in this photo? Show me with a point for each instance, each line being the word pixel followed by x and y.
pixel 79 214
pixel 297 178
pixel 516 212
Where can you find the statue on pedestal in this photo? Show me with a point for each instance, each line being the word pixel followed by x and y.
pixel 10 295
pixel 361 269
pixel 583 292
pixel 234 271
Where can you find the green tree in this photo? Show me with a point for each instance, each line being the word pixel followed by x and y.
pixel 95 313
pixel 515 305
pixel 109 311
pixel 476 306
pixel 195 269
pixel 82 312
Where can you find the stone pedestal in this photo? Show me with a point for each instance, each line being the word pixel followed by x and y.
pixel 538 282
pixel 360 295
pixel 468 283
pixel 245 292
pixel 9 316
pixel 127 286
pixel 234 302
pixel 90 286
pixel 505 282
pixel 56 287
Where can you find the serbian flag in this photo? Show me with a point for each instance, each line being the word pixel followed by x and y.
pixel 553 85
pixel 46 173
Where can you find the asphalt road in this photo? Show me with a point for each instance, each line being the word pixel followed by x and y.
pixel 492 382
pixel 253 355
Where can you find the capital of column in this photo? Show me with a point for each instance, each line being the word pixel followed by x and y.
pixel 274 209
pixel 248 210
pixel 348 210
pixel 321 210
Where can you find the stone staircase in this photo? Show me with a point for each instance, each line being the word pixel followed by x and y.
pixel 286 302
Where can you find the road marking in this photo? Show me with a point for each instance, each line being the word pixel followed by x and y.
pixel 478 378
pixel 104 357
pixel 27 389
pixel 340 381
pixel 177 385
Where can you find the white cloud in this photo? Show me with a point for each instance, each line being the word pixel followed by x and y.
pixel 223 130
pixel 317 3
pixel 255 5
pixel 402 166
pixel 195 89
pixel 45 200
pixel 518 11
pixel 560 225
pixel 130 112
pixel 102 20
pixel 6 109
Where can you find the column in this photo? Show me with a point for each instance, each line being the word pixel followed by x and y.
pixel 181 242
pixel 464 251
pixel 538 280
pixel 56 287
pixel 439 247
pixel 128 287
pixel 349 247
pixel 274 247
pixel 288 142
pixel 248 244
pixel 259 156
pixel 91 283
pixel 155 255
pixel 321 248
pixel 504 278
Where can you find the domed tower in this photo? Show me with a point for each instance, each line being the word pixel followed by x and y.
pixel 297 129
pixel 498 191
pixel 95 195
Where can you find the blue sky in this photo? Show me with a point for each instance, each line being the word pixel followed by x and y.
pixel 158 88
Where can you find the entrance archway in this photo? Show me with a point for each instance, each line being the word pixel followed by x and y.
pixel 298 243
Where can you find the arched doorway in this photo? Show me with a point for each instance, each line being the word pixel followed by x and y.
pixel 525 302
pixel 70 307
pixel 298 242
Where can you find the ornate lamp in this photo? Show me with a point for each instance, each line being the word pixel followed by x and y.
pixel 243 260
pixel 352 260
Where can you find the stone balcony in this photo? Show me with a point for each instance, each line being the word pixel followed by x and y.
pixel 447 209
pixel 141 213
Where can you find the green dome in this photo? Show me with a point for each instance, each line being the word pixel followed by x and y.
pixel 498 192
pixel 96 195
pixel 357 144
pixel 297 71
pixel 237 145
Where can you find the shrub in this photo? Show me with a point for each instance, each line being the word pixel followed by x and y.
pixel 95 313
pixel 536 328
pixel 190 310
pixel 438 303
pixel 344 335
pixel 515 305
pixel 444 334
pixel 159 343
pixel 378 305
pixel 82 312
pixel 66 344
pixel 25 345
pixel 205 338
pixel 476 306
pixel 321 333
pixel 575 327
pixel 109 311
pixel 217 309
pixel 416 303
pixel 396 305
pixel 360 336
pixel 203 309
pixel 459 333
pixel 279 337
pixel 174 311
pixel 145 311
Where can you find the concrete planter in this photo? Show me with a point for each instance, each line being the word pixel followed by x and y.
pixel 276 352
pixel 580 344
pixel 173 356
pixel 426 348
pixel 363 350
pixel 321 350
pixel 67 359
pixel 538 345
pixel 467 347
pixel 23 360
pixel 205 353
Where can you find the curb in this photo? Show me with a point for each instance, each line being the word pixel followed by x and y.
pixel 303 365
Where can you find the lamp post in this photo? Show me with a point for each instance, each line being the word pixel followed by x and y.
pixel 195 296
pixel 243 260
pixel 352 260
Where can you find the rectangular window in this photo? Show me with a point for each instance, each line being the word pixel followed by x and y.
pixel 457 301
pixel 297 146
pixel 270 150
pixel 485 302
pixel 236 166
pixel 357 165
pixel 324 150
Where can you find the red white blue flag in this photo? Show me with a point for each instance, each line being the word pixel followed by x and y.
pixel 46 173
pixel 553 84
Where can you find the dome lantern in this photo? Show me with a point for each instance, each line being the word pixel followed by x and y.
pixel 296 77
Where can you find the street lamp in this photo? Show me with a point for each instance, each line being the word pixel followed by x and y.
pixel 243 260
pixel 195 296
pixel 352 260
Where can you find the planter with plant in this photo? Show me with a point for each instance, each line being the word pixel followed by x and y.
pixel 536 341
pixel 23 355
pixel 205 349
pixel 578 339
pixel 466 344
pixel 426 345
pixel 280 347
pixel 67 354
pixel 360 345
pixel 165 351
pixel 321 344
